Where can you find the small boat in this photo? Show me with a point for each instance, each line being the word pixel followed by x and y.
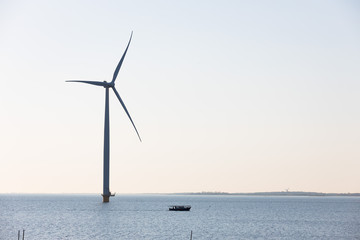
pixel 179 208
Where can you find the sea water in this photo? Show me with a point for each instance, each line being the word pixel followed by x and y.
pixel 147 217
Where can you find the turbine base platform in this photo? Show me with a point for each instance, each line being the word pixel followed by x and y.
pixel 106 198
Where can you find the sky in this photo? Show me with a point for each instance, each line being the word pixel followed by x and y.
pixel 230 96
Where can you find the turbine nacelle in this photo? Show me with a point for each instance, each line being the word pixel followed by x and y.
pixel 109 84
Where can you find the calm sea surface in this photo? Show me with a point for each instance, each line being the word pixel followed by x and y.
pixel 147 217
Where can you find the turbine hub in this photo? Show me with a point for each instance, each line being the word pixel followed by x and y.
pixel 108 84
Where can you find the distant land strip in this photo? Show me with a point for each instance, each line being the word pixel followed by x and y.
pixel 284 193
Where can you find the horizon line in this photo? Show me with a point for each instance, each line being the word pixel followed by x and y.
pixel 188 193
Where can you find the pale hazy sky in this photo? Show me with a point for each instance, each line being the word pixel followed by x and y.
pixel 235 96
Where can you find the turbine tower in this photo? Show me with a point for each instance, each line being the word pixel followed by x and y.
pixel 106 189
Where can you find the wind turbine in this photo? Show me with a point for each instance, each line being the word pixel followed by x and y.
pixel 106 189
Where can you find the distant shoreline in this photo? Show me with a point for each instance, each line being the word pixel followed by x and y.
pixel 284 193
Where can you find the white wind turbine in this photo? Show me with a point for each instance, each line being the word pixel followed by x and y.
pixel 106 189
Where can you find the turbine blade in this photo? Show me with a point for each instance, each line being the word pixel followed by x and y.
pixel 97 83
pixel 127 112
pixel 121 61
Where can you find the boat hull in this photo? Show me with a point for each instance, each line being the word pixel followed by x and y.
pixel 179 208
